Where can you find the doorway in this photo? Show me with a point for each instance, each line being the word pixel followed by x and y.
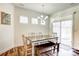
pixel 63 29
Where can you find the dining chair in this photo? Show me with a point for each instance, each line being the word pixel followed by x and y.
pixel 27 45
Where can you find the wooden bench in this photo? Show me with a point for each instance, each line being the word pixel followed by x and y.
pixel 39 49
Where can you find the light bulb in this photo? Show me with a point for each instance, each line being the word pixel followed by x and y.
pixel 46 17
pixel 42 16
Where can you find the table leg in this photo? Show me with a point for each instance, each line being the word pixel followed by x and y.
pixel 57 48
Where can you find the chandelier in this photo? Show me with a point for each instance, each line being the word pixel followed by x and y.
pixel 42 17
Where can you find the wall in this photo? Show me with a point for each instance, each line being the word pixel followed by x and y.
pixel 64 15
pixel 76 30
pixel 6 31
pixel 21 29
pixel 11 35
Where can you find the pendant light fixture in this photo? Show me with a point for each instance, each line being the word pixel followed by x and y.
pixel 42 16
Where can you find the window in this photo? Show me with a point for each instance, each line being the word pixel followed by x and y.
pixel 43 22
pixel 24 19
pixel 34 21
pixel 5 18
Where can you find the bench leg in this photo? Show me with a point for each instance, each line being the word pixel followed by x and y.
pixel 54 50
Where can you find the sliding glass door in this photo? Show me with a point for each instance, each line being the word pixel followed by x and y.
pixel 57 30
pixel 64 31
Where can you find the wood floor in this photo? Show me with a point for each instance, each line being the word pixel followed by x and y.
pixel 25 50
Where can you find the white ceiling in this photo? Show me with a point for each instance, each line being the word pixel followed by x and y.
pixel 49 8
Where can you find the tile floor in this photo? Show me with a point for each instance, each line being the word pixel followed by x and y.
pixel 64 51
